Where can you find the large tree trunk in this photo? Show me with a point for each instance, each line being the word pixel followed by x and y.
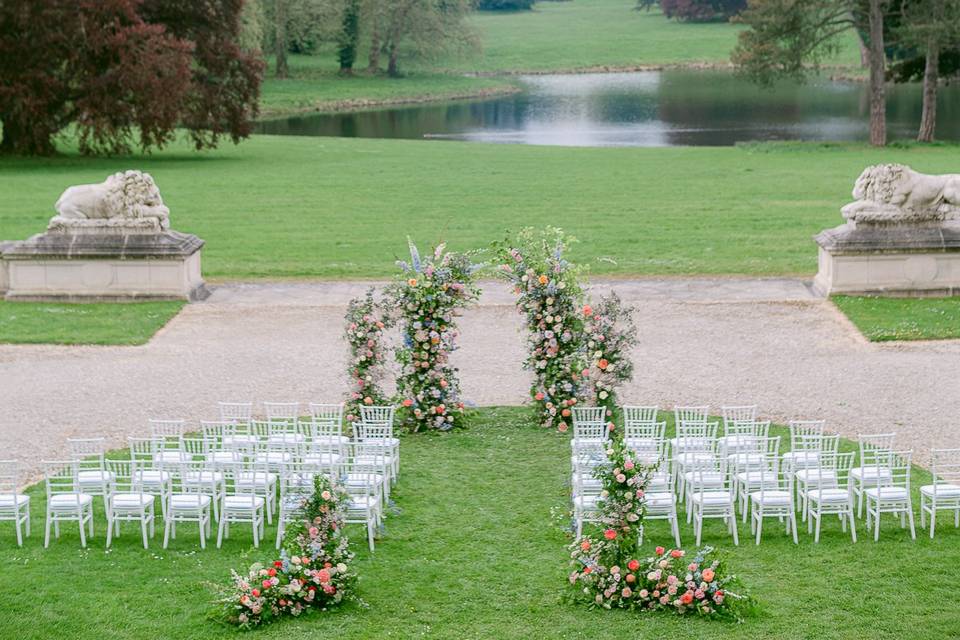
pixel 349 37
pixel 393 66
pixel 931 77
pixel 878 97
pixel 280 46
pixel 374 64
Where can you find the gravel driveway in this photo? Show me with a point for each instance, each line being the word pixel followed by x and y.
pixel 712 342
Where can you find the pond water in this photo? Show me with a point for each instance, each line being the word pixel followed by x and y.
pixel 649 109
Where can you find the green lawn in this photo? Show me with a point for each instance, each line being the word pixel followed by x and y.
pixel 314 85
pixel 472 552
pixel 342 208
pixel 886 319
pixel 95 323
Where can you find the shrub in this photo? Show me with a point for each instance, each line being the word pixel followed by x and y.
pixel 504 5
pixel 702 10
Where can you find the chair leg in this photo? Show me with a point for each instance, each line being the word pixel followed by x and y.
pixel 792 518
pixel 16 518
pixel 256 531
pixel 913 529
pixel 166 530
pixel 109 533
pixel 758 523
pixel 28 521
pixel 143 531
pixel 933 520
pixel 46 533
pixel 853 526
pixel 736 536
pixel 676 530
pixel 83 533
pixel 223 521
pixel 370 533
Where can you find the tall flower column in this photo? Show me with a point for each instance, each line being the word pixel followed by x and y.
pixel 365 323
pixel 428 296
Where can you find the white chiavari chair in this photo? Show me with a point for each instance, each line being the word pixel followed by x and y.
pixel 129 502
pixel 659 497
pixel 697 442
pixel 383 416
pixel 944 493
pixel 364 480
pixel 773 498
pixel 827 492
pixel 887 490
pixel 709 501
pixel 737 422
pixel 811 470
pixel 65 501
pixel 281 411
pixel 243 501
pixel 326 425
pixel 197 489
pixel 296 487
pixel 373 440
pixel 586 457
pixel 93 477
pixel 870 445
pixel 152 473
pixel 750 469
pixel 14 506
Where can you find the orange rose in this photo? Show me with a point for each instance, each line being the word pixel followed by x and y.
pixel 602 364
pixel 543 279
pixel 412 282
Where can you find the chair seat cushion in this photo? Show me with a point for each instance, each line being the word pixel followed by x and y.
pixel 188 501
pixel 712 497
pixel 755 478
pixel 362 502
pixel 388 442
pixel 816 476
pixel 8 500
pixel 131 500
pixel 707 478
pixel 829 496
pixel 95 476
pixel 774 497
pixel 239 503
pixel 322 458
pixel 659 499
pixel 171 457
pixel 938 491
pixel 286 438
pixel 586 501
pixel 224 457
pixel 202 477
pixel 887 493
pixel 258 478
pixel 273 457
pixel 693 458
pixel 152 477
pixel 239 440
pixel 363 479
pixel 69 500
pixel 868 473
pixel 801 458
pixel 331 440
pixel 373 461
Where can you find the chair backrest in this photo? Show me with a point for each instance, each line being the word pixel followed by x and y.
pixel 801 428
pixel 872 443
pixel 690 415
pixel 193 449
pixel 703 470
pixel 192 477
pixel 366 431
pixel 144 450
pixel 81 448
pixel 590 423
pixel 639 414
pixel 170 429
pixel 945 466
pixel 296 479
pixel 699 436
pixel 332 413
pixel 239 412
pixel 373 413
pixel 9 477
pixel 769 477
pixel 281 411
pixel 214 430
pixel 733 414
pixel 890 468
pixel 644 435
pixel 126 476
pixel 746 430
pixel 60 477
pixel 831 469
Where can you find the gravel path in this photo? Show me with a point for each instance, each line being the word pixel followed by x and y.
pixel 712 342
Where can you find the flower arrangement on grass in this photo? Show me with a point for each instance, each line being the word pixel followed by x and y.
pixel 550 297
pixel 428 296
pixel 313 572
pixel 365 324
pixel 609 334
pixel 609 571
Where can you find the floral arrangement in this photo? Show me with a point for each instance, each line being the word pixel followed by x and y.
pixel 608 570
pixel 312 573
pixel 609 334
pixel 550 297
pixel 428 296
pixel 365 324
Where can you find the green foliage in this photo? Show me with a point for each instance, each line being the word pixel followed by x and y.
pixel 886 319
pixel 125 323
pixel 505 5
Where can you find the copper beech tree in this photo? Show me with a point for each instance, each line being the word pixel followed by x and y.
pixel 123 71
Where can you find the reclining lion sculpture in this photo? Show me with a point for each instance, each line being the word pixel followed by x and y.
pixel 896 194
pixel 125 200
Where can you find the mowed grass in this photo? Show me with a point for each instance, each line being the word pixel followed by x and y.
pixel 93 323
pixel 288 207
pixel 887 319
pixel 472 551
pixel 315 85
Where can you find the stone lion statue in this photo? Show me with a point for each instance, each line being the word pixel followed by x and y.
pixel 128 199
pixel 895 193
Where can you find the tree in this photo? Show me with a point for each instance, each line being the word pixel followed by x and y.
pixel 505 5
pixel 789 38
pixel 930 26
pixel 115 69
pixel 427 26
pixel 349 36
pixel 700 10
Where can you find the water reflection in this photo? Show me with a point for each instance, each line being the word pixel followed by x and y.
pixel 674 108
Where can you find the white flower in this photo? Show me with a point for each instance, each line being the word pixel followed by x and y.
pixel 603 395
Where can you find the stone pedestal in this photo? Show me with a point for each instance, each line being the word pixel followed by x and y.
pixel 889 259
pixel 103 267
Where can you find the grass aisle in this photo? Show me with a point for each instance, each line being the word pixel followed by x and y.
pixel 473 553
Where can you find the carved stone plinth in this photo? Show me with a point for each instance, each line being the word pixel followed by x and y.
pixel 889 259
pixel 88 266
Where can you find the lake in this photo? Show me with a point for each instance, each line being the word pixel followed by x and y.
pixel 647 109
